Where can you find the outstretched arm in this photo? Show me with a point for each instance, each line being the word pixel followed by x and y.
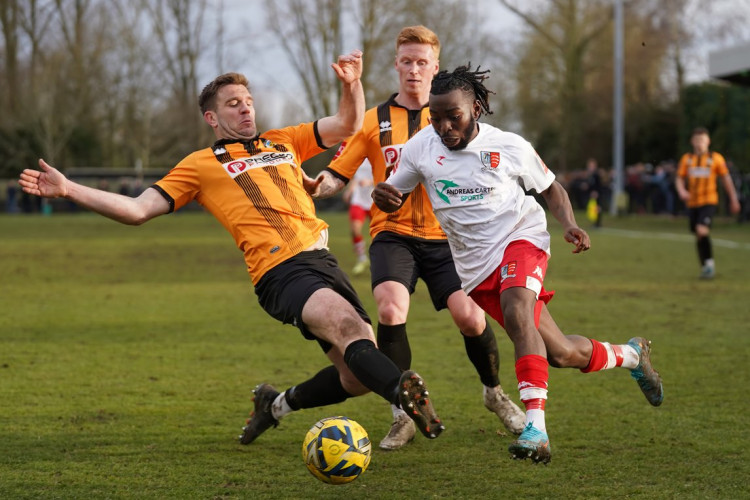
pixel 351 112
pixel 51 183
pixel 559 205
pixel 324 185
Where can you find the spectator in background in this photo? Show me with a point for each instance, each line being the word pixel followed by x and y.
pixel 696 185
pixel 662 196
pixel 635 187
pixel 593 184
pixel 137 187
pixel 124 187
pixel 11 197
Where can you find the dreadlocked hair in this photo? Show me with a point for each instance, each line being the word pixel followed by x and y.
pixel 464 79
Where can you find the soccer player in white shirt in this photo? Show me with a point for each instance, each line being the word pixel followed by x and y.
pixel 358 194
pixel 476 177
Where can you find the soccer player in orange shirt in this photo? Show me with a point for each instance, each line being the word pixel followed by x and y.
pixel 252 183
pixel 696 185
pixel 410 244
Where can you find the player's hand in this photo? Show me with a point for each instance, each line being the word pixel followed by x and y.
pixel 579 238
pixel 312 186
pixel 386 197
pixel 734 207
pixel 49 183
pixel 349 67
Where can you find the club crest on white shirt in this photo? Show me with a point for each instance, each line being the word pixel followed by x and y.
pixel 490 160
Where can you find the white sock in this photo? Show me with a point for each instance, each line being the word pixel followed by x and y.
pixel 630 357
pixel 536 418
pixel 398 412
pixel 280 407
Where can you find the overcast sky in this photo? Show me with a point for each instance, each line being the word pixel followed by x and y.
pixel 274 80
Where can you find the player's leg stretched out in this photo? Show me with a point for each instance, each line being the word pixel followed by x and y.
pixel 590 355
pixel 540 343
pixel 573 351
pixel 324 389
pixel 327 309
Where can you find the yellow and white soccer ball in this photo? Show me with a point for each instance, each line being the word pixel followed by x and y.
pixel 336 450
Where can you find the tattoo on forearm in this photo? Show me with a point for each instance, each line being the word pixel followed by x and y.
pixel 329 186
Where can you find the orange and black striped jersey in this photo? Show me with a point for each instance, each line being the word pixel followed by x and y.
pixel 700 173
pixel 254 188
pixel 386 129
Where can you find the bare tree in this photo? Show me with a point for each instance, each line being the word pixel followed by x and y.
pixel 10 23
pixel 311 34
pixel 566 31
pixel 177 26
pixel 71 56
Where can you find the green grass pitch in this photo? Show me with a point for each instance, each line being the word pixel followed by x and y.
pixel 127 357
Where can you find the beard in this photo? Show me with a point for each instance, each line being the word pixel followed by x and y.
pixel 467 135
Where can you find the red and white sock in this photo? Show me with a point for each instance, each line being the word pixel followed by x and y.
pixel 532 372
pixel 359 247
pixel 605 356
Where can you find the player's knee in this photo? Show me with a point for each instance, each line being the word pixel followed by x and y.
pixel 470 325
pixel 391 313
pixel 351 327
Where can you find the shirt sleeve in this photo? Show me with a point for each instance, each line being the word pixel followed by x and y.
pixel 720 165
pixel 303 138
pixel 181 184
pixel 533 174
pixel 406 176
pixel 351 154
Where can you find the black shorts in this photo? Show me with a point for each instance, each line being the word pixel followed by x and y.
pixel 702 215
pixel 394 257
pixel 284 290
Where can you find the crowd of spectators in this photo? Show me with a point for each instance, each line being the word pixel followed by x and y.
pixel 648 189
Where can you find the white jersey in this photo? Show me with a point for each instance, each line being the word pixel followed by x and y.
pixel 478 195
pixel 362 189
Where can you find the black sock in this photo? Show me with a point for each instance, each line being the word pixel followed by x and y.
pixel 483 353
pixel 704 249
pixel 373 369
pixel 393 342
pixel 323 389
